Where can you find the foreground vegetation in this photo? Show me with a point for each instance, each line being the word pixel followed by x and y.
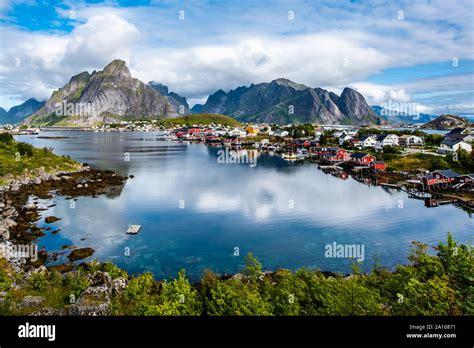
pixel 440 284
pixel 16 158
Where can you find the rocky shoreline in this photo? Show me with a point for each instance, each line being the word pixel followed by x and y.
pixel 19 211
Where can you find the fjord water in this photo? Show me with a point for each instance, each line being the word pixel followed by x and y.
pixel 196 212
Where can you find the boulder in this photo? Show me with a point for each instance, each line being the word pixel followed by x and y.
pixel 51 219
pixel 118 286
pixel 47 311
pixel 100 278
pixel 93 301
pixel 31 301
pixel 79 254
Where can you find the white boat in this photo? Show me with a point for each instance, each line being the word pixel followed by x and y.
pixel 289 157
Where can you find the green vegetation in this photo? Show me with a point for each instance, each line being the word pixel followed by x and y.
pixel 431 284
pixel 464 163
pixel 16 158
pixel 190 120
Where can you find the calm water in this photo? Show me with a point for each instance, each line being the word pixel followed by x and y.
pixel 195 212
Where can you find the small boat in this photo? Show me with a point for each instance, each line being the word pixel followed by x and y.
pixel 133 229
pixel 289 157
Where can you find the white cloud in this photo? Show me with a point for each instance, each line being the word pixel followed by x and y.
pixel 324 46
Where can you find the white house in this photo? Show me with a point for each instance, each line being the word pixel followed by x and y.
pixel 386 140
pixel 281 133
pixel 238 132
pixel 344 138
pixel 410 140
pixel 367 141
pixel 339 133
pixel 449 146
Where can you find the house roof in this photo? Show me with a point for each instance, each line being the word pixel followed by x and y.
pixel 458 130
pixel 382 137
pixel 359 155
pixel 457 136
pixel 468 175
pixel 365 137
pixel 451 142
pixel 448 173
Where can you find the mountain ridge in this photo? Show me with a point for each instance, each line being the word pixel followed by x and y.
pixel 18 113
pixel 285 101
pixel 102 96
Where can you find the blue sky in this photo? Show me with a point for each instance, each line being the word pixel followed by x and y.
pixel 391 51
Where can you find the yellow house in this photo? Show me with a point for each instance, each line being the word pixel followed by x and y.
pixel 252 130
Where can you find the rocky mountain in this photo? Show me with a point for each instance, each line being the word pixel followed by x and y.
pixel 179 103
pixel 103 96
pixel 393 116
pixel 18 113
pixel 283 101
pixel 448 122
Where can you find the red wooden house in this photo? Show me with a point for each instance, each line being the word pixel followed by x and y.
pixel 440 177
pixel 334 154
pixel 379 166
pixel 362 158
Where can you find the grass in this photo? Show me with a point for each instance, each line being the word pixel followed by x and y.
pixel 17 158
pixel 204 119
pixel 416 162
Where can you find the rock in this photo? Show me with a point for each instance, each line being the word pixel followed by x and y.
pixel 80 254
pixel 93 301
pixel 100 278
pixel 2 205
pixel 47 311
pixel 118 286
pixel 38 181
pixel 8 211
pixel 79 186
pixel 30 206
pixel 131 176
pixel 51 219
pixel 66 177
pixel 54 177
pixel 31 301
pixel 238 276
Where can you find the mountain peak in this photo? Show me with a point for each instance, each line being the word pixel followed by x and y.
pixel 286 82
pixel 117 67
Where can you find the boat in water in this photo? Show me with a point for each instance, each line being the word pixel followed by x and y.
pixel 289 157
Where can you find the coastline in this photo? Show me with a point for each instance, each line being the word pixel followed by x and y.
pixel 104 286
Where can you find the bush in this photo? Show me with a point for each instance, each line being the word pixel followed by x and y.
pixel 25 149
pixel 6 138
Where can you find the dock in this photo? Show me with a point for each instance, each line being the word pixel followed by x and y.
pixel 133 229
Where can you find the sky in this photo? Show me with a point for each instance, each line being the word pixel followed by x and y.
pixel 418 52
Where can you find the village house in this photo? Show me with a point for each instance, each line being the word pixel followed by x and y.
pixel 367 141
pixel 334 154
pixel 457 131
pixel 362 158
pixel 318 131
pixel 379 166
pixel 448 146
pixel 281 133
pixel 386 140
pixel 440 178
pixel 466 180
pixel 408 140
pixel 238 132
pixel 252 130
pixel 344 138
